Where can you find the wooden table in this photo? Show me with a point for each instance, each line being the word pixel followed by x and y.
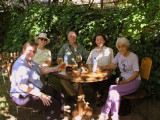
pixel 81 78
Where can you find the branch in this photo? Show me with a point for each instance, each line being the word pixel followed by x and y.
pixel 27 2
pixel 49 2
pixel 91 3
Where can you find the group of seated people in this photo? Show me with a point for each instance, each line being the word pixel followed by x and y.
pixel 27 88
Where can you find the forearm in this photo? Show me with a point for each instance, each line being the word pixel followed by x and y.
pixel 109 67
pixel 46 70
pixel 29 90
pixel 89 66
pixel 134 76
pixel 46 99
pixel 49 63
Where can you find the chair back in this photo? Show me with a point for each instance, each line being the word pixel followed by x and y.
pixel 9 69
pixel 145 68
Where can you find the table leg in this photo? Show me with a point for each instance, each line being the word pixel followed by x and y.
pixel 82 106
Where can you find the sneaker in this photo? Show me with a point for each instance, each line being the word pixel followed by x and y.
pixel 115 117
pixel 103 116
pixel 67 109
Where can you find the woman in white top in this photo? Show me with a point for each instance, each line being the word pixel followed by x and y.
pixel 104 56
pixel 43 55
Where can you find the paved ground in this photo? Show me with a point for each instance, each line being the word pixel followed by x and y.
pixel 153 113
pixel 9 112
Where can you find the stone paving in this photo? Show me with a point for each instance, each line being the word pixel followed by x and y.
pixel 153 110
pixel 153 113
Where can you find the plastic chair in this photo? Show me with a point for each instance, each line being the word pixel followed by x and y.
pixel 21 111
pixel 145 69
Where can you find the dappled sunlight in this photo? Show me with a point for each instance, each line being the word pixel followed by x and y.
pixel 115 95
pixel 138 24
pixel 105 54
pixel 7 109
pixel 38 22
pixel 21 73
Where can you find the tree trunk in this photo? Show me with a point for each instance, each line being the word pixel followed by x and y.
pixel 55 1
pixel 49 2
pixel 101 4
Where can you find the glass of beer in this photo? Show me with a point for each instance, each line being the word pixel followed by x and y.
pixel 59 61
pixel 62 66
pixel 79 60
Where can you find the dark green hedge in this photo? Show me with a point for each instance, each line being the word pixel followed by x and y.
pixel 140 23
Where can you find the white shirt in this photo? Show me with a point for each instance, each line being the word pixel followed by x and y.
pixel 104 57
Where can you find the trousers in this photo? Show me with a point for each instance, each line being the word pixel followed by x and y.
pixel 114 96
pixel 53 112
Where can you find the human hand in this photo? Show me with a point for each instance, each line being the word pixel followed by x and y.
pixel 122 82
pixel 98 68
pixel 57 68
pixel 101 68
pixel 106 67
pixel 46 99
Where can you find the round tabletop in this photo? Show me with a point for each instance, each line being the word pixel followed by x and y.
pixel 76 76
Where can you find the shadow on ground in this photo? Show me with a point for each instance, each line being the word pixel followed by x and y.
pixel 8 109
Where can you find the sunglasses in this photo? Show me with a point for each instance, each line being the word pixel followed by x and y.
pixel 43 39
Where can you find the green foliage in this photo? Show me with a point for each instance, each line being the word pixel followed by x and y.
pixel 2 117
pixel 139 21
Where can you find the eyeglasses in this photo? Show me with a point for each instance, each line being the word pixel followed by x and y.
pixel 43 39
